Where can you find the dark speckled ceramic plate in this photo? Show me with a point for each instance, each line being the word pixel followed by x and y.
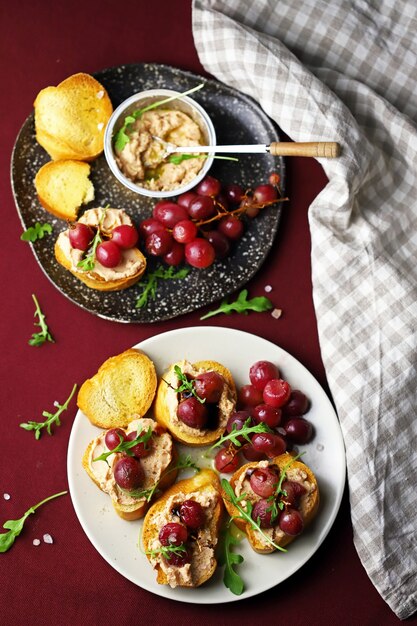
pixel 237 119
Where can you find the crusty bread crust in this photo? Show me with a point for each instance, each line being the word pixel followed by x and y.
pixel 163 412
pixel 205 480
pixel 124 385
pixel 63 186
pixel 311 506
pixel 70 119
pixel 136 510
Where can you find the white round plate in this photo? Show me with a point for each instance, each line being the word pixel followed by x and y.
pixel 117 540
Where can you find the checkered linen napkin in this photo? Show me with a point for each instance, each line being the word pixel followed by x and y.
pixel 346 71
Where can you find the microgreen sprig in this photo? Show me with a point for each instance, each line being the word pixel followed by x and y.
pixel 230 559
pixel 38 231
pixel 150 282
pixel 125 446
pixel 276 507
pixel 244 432
pixel 186 385
pixel 242 305
pixel 176 159
pixel 52 418
pixel 168 551
pixel 246 513
pixel 122 137
pixel 43 335
pixel 15 527
pixel 88 262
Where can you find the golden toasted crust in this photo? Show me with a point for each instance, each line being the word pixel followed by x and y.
pixel 70 119
pixel 63 186
pixel 94 280
pixel 311 505
pixel 136 510
pixel 123 386
pixel 204 481
pixel 163 412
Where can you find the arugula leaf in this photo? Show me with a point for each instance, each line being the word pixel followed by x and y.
pixel 122 138
pixel 52 418
pixel 231 578
pixel 38 231
pixel 149 283
pixel 15 527
pixel 43 335
pixel 125 446
pixel 242 305
pixel 246 513
pixel 176 159
pixel 186 385
pixel 168 551
pixel 244 432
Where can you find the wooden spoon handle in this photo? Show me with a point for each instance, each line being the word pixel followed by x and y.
pixel 327 149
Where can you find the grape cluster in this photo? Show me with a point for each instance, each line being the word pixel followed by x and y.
pixel 109 251
pixel 176 534
pixel 127 470
pixel 268 398
pixel 202 224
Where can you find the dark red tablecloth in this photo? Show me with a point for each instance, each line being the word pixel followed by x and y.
pixel 68 582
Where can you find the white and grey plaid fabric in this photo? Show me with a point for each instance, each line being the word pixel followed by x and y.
pixel 346 71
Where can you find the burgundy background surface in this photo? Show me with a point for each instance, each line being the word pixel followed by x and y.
pixel 41 43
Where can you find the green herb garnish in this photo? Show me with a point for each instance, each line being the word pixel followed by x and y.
pixel 230 559
pixel 52 418
pixel 88 262
pixel 186 385
pixel 43 335
pixel 122 137
pixel 276 507
pixel 150 282
pixel 242 305
pixel 245 514
pixel 33 233
pixel 244 432
pixel 176 159
pixel 168 551
pixel 125 446
pixel 15 526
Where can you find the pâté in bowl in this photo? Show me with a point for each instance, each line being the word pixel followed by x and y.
pixel 136 137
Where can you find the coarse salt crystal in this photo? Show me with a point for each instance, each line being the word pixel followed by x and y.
pixel 100 94
pixel 47 538
pixel 276 313
pixel 36 542
pixel 268 288
pixel 6 496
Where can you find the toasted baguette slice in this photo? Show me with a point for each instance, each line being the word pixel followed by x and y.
pixel 166 403
pixel 70 119
pixel 205 488
pixel 124 275
pixel 123 386
pixel 63 186
pixel 308 506
pixel 159 467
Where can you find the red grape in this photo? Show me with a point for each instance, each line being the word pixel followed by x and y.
pixel 251 454
pixel 125 236
pixel 108 254
pixel 237 421
pixel 184 231
pixel 267 414
pixel 169 213
pixel 80 236
pixel 185 198
pixel 291 522
pixel 231 226
pixel 297 404
pixel 276 392
pixel 265 193
pixel 262 513
pixel 234 193
pixel 274 178
pixel 192 413
pixel 269 443
pixel 201 208
pixel 299 430
pixel 209 186
pixel 192 514
pixel 176 255
pixel 220 243
pixel 113 437
pixel 226 460
pixel 264 481
pixel 293 492
pixel 128 473
pixel 173 534
pixel 250 396
pixel 140 449
pixel 179 559
pixel 209 386
pixel 199 253
pixel 158 243
pixel 149 226
pixel 262 372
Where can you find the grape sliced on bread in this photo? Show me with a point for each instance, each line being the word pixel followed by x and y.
pixel 200 545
